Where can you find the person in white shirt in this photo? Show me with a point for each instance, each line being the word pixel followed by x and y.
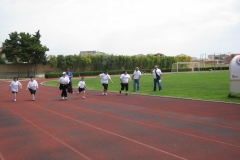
pixel 124 78
pixel 63 81
pixel 32 86
pixel 81 87
pixel 104 80
pixel 14 87
pixel 136 79
pixel 157 78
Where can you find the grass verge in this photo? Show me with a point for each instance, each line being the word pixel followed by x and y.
pixel 213 86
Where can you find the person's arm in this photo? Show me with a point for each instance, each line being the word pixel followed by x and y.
pixel 98 76
pixel 152 71
pixel 58 83
pixel 27 86
pixel 10 86
pixel 37 84
pixel 20 85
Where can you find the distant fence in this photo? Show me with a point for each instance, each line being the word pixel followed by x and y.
pixel 13 70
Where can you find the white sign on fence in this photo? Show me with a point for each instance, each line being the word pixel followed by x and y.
pixel 234 71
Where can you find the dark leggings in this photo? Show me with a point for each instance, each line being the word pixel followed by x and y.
pixel 124 85
pixel 64 90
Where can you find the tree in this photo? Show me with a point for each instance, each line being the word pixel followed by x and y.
pixel 53 61
pixel 61 62
pixel 37 51
pixel 26 48
pixel 11 48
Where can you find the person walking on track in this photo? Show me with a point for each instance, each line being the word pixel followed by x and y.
pixel 32 87
pixel 124 78
pixel 70 75
pixel 14 87
pixel 81 87
pixel 104 80
pixel 63 81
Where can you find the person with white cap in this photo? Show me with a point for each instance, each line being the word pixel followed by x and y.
pixel 63 81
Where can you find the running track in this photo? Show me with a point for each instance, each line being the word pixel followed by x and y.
pixel 115 127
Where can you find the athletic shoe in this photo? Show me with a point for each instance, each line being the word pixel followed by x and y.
pixel 33 99
pixel 77 93
pixel 83 97
pixel 126 94
pixel 105 94
pixel 62 97
pixel 14 100
pixel 72 92
pixel 65 98
pixel 120 91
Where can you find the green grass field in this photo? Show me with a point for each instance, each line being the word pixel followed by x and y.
pixel 198 85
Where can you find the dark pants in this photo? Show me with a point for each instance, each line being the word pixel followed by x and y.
pixel 105 86
pixel 156 81
pixel 70 90
pixel 64 90
pixel 124 85
pixel 32 91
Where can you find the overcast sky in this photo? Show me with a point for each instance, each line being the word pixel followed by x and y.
pixel 127 27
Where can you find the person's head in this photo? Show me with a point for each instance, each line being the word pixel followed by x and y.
pixel 68 69
pixel 155 66
pixel 82 78
pixel 106 72
pixel 31 77
pixel 136 68
pixel 125 72
pixel 15 78
pixel 64 74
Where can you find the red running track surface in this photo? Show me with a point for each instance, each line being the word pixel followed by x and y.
pixel 115 127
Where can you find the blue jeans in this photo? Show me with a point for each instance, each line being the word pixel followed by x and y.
pixel 136 82
pixel 156 81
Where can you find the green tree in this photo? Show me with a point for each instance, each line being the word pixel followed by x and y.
pixel 52 61
pixel 11 48
pixel 61 62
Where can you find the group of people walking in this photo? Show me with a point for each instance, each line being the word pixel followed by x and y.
pixel 65 83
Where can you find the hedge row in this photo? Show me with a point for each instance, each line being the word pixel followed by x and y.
pixel 116 72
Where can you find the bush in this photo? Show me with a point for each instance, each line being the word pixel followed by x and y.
pixel 95 73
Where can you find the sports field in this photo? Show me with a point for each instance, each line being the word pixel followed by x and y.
pixel 119 127
pixel 198 85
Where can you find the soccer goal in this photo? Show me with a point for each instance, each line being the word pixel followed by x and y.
pixel 185 67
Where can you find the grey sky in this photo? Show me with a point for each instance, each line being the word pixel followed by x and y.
pixel 127 27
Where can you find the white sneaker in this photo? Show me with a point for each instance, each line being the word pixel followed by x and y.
pixel 62 97
pixel 14 100
pixel 33 99
pixel 65 98
pixel 77 93
pixel 83 97
pixel 105 93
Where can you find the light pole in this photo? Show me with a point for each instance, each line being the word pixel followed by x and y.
pixel 201 60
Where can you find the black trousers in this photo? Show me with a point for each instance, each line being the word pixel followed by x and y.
pixel 124 85
pixel 64 90
pixel 69 89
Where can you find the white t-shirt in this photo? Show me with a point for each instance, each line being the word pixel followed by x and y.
pixel 81 84
pixel 125 78
pixel 104 78
pixel 14 85
pixel 136 74
pixel 32 85
pixel 159 72
pixel 64 80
